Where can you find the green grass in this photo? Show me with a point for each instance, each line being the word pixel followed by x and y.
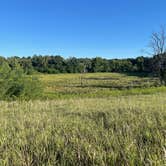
pixel 127 130
pixel 108 119
pixel 94 85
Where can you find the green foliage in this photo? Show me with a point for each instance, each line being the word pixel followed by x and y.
pixel 121 66
pixel 15 84
pixel 159 65
pixel 57 64
pixel 163 76
pixel 26 64
pixel 100 65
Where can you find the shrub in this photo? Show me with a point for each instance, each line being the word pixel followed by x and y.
pixel 14 83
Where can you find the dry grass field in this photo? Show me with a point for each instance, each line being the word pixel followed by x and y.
pixel 102 129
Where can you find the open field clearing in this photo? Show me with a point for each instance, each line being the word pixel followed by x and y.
pixel 128 130
pixel 83 83
pixel 60 86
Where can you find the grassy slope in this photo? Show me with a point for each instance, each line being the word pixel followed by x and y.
pixel 105 129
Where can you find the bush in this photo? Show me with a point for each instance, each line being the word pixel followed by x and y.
pixel 15 84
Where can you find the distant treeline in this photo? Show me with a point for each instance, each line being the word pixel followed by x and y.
pixel 57 64
pixel 155 65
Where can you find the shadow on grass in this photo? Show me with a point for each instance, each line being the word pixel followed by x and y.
pixel 138 74
pixel 101 78
pixel 113 87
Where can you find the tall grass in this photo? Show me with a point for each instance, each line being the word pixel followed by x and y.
pixel 127 130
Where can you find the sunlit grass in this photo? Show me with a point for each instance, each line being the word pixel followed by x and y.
pixel 127 130
pixel 59 86
pixel 93 119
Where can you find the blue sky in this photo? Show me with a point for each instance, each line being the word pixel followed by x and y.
pixel 81 28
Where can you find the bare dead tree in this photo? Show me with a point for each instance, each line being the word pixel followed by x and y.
pixel 158 42
pixel 158 49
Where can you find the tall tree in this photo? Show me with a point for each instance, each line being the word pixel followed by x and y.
pixel 158 48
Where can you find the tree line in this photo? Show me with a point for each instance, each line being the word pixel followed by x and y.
pixel 57 64
pixel 155 65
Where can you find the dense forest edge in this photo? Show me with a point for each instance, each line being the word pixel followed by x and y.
pixel 155 65
pixel 58 64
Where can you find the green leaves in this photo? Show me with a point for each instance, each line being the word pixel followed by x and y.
pixel 15 84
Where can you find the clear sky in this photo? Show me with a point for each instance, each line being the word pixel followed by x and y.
pixel 81 28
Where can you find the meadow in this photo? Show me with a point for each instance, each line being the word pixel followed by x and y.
pixel 92 85
pixel 87 119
